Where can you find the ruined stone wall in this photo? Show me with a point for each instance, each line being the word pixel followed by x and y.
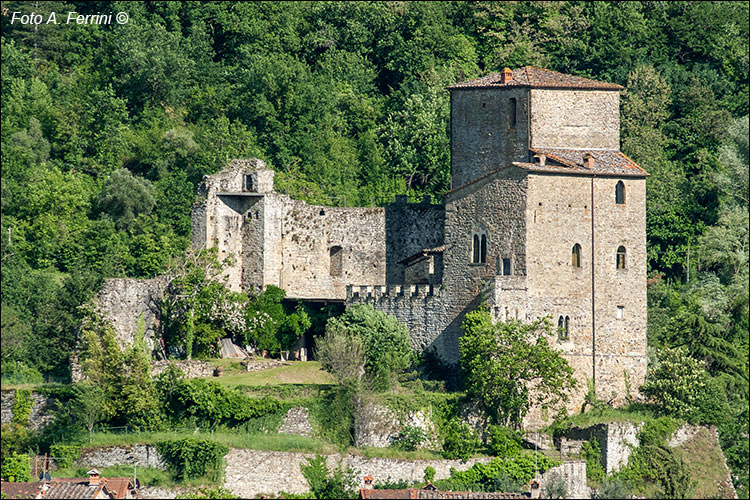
pixel 141 455
pixel 411 228
pixel 41 409
pixel 308 235
pixel 482 139
pixel 126 302
pixel 588 119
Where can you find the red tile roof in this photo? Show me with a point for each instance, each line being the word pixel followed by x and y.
pixel 570 161
pixel 21 490
pixel 539 78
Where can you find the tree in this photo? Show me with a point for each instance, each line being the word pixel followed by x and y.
pixel 386 343
pixel 123 197
pixel 90 405
pixel 342 353
pixel 510 366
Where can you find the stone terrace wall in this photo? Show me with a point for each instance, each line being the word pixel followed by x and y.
pixel 140 454
pixel 41 409
pixel 616 440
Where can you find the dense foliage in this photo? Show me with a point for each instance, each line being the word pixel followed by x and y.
pixel 501 362
pixel 190 458
pixel 108 129
pixel 498 474
pixel 334 484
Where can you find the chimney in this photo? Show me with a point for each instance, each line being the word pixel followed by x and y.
pixel 506 76
pixel 93 477
pixel 588 160
pixel 368 482
pixel 541 159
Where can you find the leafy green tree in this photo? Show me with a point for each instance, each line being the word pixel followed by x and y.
pixel 502 362
pixel 123 197
pixel 90 405
pixel 677 384
pixel 386 343
pixel 16 468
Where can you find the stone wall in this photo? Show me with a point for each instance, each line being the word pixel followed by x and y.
pixel 126 302
pixel 573 473
pixel 588 119
pixel 409 229
pixel 191 368
pixel 41 409
pixel 616 441
pixel 139 454
pixel 482 139
pixel 296 421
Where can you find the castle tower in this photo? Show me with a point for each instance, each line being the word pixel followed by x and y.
pixel 546 217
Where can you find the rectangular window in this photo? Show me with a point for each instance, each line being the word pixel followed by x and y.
pixel 620 312
pixel 249 183
pixel 506 267
pixel 512 115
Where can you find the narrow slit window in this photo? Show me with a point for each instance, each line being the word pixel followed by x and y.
pixel 506 267
pixel 336 254
pixel 562 328
pixel 483 250
pixel 576 255
pixel 475 250
pixel 249 183
pixel 567 324
pixel 620 193
pixel 621 257
pixel 620 312
pixel 512 115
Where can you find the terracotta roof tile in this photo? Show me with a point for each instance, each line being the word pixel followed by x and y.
pixel 21 490
pixel 58 489
pixel 532 77
pixel 605 162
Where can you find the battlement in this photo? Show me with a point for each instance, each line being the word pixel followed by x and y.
pixel 354 292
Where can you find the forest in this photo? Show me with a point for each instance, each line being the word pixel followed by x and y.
pixel 107 130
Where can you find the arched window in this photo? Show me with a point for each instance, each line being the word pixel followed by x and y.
pixel 336 254
pixel 620 257
pixel 475 250
pixel 483 250
pixel 620 193
pixel 576 255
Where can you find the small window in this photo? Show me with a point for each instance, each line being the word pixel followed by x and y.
pixel 506 267
pixel 336 254
pixel 249 183
pixel 620 312
pixel 483 250
pixel 475 250
pixel 562 327
pixel 512 115
pixel 621 257
pixel 576 255
pixel 620 193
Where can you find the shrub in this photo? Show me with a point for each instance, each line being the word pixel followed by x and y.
pixel 16 468
pixel 503 442
pixel 325 484
pixel 22 407
pixel 555 487
pixel 429 474
pixel 65 454
pixel 409 438
pixel 612 488
pixel 460 442
pixel 501 474
pixel 189 457
pixel 593 455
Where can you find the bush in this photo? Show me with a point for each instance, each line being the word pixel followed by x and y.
pixel 65 454
pixel 190 458
pixel 22 405
pixel 16 468
pixel 461 442
pixel 386 343
pixel 325 484
pixel 503 442
pixel 509 474
pixel 429 474
pixel 555 487
pixel 593 455
pixel 409 438
pixel 612 488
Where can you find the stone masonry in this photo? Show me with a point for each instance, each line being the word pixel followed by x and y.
pixel 545 218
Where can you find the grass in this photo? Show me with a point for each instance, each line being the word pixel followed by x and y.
pixel 704 459
pixel 270 442
pixel 635 414
pixel 296 372
pixel 371 452
pixel 148 476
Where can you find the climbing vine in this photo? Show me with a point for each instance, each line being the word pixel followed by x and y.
pixel 22 407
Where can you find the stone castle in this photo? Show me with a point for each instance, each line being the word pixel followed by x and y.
pixel 545 217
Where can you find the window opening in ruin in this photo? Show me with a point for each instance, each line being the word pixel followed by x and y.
pixel 576 255
pixel 506 267
pixel 336 260
pixel 620 312
pixel 322 212
pixel 562 328
pixel 567 324
pixel 512 112
pixel 621 257
pixel 483 250
pixel 620 193
pixel 249 183
pixel 475 250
